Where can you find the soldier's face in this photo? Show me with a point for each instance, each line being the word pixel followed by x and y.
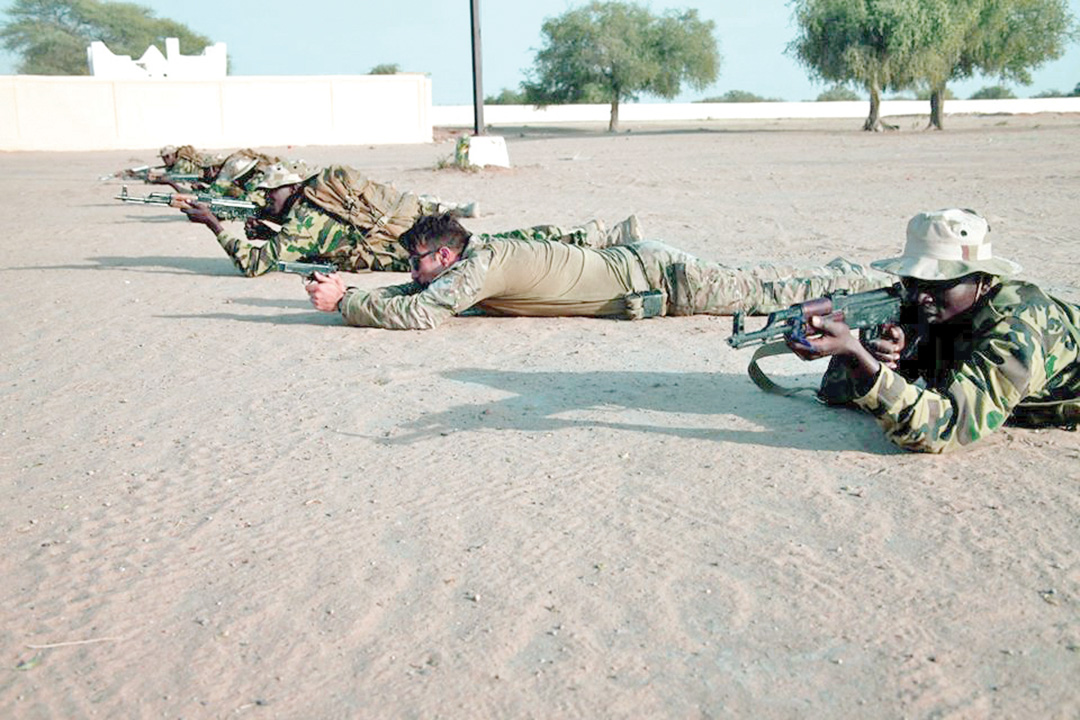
pixel 276 199
pixel 426 264
pixel 939 301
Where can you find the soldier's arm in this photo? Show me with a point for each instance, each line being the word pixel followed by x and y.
pixel 1007 365
pixel 410 307
pixel 251 257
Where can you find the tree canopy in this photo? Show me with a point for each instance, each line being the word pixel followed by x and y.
pixel 899 44
pixel 615 51
pixel 51 36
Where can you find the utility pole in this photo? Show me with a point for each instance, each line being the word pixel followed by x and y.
pixel 477 71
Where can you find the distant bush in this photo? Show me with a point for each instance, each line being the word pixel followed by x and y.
pixel 385 69
pixel 507 96
pixel 1049 94
pixel 838 93
pixel 1076 91
pixel 739 96
pixel 993 92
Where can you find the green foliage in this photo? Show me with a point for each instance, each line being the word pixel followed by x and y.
pixel 1008 38
pixel 1076 91
pixel 993 92
pixel 838 93
pixel 507 96
pixel 611 52
pixel 52 35
pixel 385 69
pixel 739 96
pixel 1049 94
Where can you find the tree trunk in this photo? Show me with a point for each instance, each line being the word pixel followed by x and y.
pixel 937 108
pixel 873 121
pixel 613 123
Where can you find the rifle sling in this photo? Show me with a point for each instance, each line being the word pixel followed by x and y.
pixel 762 380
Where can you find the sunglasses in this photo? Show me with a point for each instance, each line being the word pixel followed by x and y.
pixel 414 260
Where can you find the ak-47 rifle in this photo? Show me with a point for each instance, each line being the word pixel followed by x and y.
pixel 223 208
pixel 143 173
pixel 864 311
pixel 307 269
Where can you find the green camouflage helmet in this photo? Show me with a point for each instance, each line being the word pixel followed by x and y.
pixel 944 245
pixel 280 174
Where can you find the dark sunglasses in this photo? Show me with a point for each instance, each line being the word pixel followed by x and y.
pixel 414 260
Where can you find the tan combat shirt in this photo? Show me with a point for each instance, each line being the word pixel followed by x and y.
pixel 507 277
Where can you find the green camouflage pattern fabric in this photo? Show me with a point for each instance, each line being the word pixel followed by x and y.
pixel 245 186
pixel 1017 362
pixel 691 286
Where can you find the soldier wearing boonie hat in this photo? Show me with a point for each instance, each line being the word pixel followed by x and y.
pixel 990 350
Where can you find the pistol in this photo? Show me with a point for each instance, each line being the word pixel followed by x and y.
pixel 307 269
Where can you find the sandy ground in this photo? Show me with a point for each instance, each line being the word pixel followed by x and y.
pixel 218 503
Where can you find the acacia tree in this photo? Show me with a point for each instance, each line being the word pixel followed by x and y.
pixel 880 44
pixel 614 51
pixel 1006 38
pixel 51 36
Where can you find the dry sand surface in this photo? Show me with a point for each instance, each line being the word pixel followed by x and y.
pixel 218 503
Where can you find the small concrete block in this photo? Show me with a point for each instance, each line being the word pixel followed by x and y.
pixel 481 150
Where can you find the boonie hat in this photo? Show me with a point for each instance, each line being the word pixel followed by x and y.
pixel 280 174
pixel 167 150
pixel 944 245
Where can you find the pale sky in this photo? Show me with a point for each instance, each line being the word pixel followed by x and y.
pixel 347 37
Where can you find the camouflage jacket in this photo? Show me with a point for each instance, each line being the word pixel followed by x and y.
pixel 1015 357
pixel 312 234
pixel 507 277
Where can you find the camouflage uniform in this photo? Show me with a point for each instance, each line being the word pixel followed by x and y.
pixel 1014 357
pixel 190 161
pixel 313 235
pixel 241 173
pixel 523 277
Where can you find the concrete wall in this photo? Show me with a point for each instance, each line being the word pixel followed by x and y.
pixel 462 115
pixel 88 113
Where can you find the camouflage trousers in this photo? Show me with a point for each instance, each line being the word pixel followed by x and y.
pixel 694 286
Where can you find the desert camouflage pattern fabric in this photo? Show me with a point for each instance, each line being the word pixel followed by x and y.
pixel 1016 361
pixel 311 234
pixel 242 186
pixel 542 278
pixel 190 161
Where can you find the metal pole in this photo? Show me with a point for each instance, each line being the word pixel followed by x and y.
pixel 477 71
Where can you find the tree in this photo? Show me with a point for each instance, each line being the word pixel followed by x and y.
pixel 739 96
pixel 385 69
pixel 52 35
pixel 1003 38
pixel 993 92
pixel 506 96
pixel 880 44
pixel 838 93
pixel 614 51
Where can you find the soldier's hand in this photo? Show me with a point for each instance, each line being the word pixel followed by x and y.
pixel 825 336
pixel 889 346
pixel 256 229
pixel 198 212
pixel 325 291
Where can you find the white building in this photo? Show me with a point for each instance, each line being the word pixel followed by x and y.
pixel 211 64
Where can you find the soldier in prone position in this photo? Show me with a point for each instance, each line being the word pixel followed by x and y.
pixel 990 350
pixel 454 271
pixel 334 216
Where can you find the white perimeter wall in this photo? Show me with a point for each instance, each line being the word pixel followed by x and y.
pixel 462 115
pixel 87 113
